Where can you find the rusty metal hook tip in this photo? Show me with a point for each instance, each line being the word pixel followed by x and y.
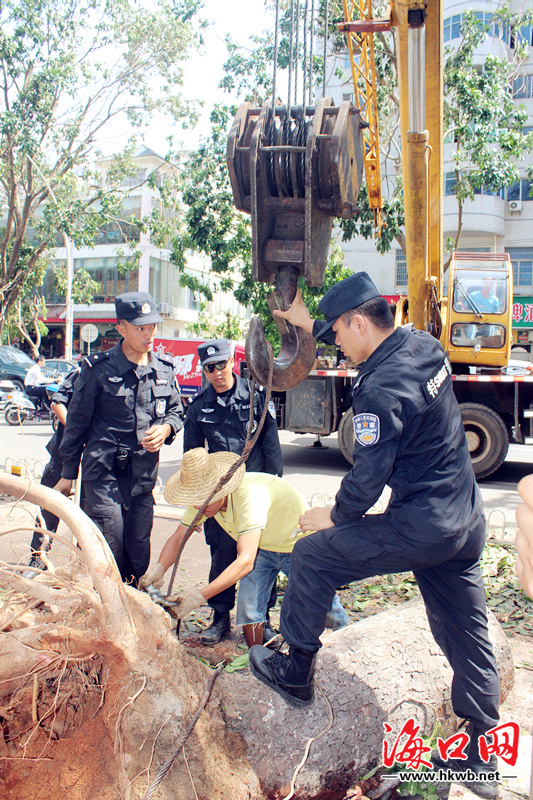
pixel 295 359
pixel 297 353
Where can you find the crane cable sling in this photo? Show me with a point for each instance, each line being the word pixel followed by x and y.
pixel 249 443
pixel 185 735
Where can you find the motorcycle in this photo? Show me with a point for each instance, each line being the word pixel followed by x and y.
pixel 20 408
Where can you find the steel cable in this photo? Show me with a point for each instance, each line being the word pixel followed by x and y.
pixel 249 443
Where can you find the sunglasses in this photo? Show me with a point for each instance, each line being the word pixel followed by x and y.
pixel 218 365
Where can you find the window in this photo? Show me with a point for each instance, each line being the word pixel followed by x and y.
pixel 479 290
pixel 452 27
pixel 527 189
pixel 449 184
pixel 401 268
pixel 523 87
pixel 520 190
pixel 521 36
pixel 470 334
pixel 522 261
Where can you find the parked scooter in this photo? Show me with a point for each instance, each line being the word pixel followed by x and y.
pixel 20 408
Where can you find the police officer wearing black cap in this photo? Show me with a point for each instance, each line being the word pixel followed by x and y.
pixel 409 436
pixel 125 406
pixel 219 415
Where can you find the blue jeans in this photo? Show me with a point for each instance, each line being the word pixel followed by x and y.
pixel 255 589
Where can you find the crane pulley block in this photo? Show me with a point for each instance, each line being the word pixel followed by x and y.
pixel 294 170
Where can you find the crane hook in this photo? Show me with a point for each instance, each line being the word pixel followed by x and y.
pixel 298 348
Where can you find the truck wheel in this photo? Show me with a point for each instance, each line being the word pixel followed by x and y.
pixel 346 435
pixel 486 436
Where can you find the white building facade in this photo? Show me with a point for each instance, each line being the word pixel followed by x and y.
pixel 156 274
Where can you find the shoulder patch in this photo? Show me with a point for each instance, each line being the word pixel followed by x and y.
pixel 366 429
pixel 272 409
pixel 166 358
pixel 96 358
pixel 432 387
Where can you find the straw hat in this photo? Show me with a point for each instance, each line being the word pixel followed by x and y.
pixel 199 474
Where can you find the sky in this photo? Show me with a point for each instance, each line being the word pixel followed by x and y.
pixel 203 71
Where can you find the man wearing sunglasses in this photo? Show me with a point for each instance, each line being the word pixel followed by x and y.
pixel 219 415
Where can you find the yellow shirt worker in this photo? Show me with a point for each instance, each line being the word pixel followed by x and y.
pixel 260 511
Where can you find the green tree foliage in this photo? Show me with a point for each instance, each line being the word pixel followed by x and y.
pixel 69 70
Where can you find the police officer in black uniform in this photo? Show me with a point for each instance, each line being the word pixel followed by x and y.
pixel 219 415
pixel 409 436
pixel 125 406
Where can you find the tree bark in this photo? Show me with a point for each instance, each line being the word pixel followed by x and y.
pixel 247 742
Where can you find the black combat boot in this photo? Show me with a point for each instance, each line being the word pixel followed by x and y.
pixel 218 630
pixel 36 562
pixel 480 777
pixel 289 674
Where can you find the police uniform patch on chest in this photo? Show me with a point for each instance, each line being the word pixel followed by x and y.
pixel 160 407
pixel 272 409
pixel 366 429
pixel 436 383
pixel 114 379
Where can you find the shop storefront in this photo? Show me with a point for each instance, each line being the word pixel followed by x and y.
pixel 53 344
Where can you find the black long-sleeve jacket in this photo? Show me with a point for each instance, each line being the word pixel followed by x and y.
pixel 116 402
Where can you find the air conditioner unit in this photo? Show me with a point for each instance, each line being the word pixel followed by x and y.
pixel 515 205
pixel 167 310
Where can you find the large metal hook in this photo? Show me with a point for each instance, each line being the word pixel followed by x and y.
pixel 298 348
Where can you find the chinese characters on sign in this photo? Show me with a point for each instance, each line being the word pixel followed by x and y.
pixel 522 312
pixel 409 748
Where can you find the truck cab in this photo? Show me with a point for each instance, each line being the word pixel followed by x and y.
pixel 477 310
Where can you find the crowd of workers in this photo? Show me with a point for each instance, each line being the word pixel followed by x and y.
pixel 124 405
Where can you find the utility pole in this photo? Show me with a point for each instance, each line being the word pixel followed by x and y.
pixel 69 319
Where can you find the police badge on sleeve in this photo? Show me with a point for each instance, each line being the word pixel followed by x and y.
pixel 160 407
pixel 366 429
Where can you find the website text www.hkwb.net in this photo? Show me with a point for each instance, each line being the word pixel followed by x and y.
pixel 447 776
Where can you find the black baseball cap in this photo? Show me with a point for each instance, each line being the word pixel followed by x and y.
pixel 214 350
pixel 137 308
pixel 345 295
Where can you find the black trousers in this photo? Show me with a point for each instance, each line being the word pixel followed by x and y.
pixel 38 393
pixel 125 521
pixel 450 581
pixel 223 553
pixel 50 476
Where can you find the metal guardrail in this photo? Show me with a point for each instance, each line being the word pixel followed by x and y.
pixel 23 469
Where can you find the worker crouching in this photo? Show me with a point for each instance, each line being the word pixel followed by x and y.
pixel 258 510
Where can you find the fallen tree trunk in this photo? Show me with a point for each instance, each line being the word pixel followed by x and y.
pixel 101 697
pixel 385 668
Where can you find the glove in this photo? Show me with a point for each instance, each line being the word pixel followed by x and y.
pixel 153 575
pixel 184 604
